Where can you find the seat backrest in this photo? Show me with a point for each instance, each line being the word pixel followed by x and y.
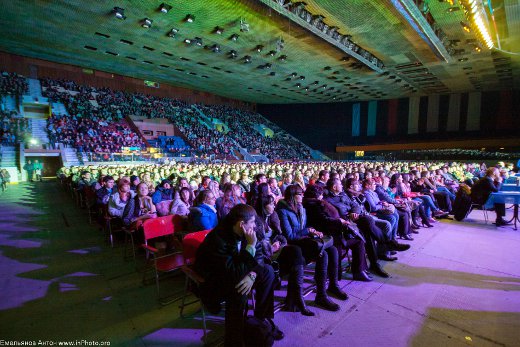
pixel 157 227
pixel 179 223
pixel 191 243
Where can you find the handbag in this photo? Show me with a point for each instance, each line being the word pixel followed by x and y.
pixel 389 209
pixel 313 247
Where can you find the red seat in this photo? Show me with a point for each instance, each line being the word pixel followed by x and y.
pixel 190 245
pixel 152 229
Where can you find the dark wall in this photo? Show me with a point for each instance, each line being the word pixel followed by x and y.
pixel 323 126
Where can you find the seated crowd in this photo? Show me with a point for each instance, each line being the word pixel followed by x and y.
pixel 278 213
pixel 109 106
pixel 13 128
pixel 12 84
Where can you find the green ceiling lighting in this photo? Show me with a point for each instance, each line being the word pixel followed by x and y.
pixel 146 23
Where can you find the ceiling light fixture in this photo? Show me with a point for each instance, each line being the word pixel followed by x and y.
pixel 271 53
pixel 215 48
pixel 259 48
pixel 188 41
pixel 233 54
pixel 198 41
pixel 465 26
pixel 218 30
pixel 164 8
pixel 119 12
pixel 146 23
pixel 247 59
pixel 189 18
pixel 234 37
pixel 172 33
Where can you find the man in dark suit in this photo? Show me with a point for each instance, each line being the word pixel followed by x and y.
pixel 227 260
pixel 491 183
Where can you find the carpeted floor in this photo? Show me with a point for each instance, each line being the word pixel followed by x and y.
pixel 60 281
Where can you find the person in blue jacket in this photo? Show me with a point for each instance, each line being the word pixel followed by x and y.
pixel 293 222
pixel 203 216
pixel 163 192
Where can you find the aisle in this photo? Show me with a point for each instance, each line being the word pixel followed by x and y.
pixel 458 285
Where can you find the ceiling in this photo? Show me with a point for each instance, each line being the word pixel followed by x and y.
pixel 88 34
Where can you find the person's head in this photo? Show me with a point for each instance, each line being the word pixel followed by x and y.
pixel 166 184
pixel 142 189
pixel 123 186
pixel 493 172
pixel 273 183
pixel 108 182
pixel 265 206
pixel 207 197
pixel 313 192
pixel 185 195
pixel 261 178
pixel 334 185
pixel 369 184
pixel 205 181
pixel 352 184
pixel 134 180
pixel 183 182
pixel 324 175
pixel 293 196
pixel 241 217
pixel 85 175
pixel 28 161
pixel 263 190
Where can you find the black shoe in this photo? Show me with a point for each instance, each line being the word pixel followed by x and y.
pixel 277 333
pixel 325 303
pixel 362 277
pixel 415 231
pixel 407 237
pixel 336 292
pixel 377 270
pixel 394 246
pixel 298 308
pixel 387 258
pixel 501 222
pixel 414 226
pixel 392 252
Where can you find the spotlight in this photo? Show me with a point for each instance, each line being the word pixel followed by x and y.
pixel 465 26
pixel 294 74
pixel 302 78
pixel 218 30
pixel 315 83
pixel 306 88
pixel 215 48
pixel 234 37
pixel 233 54
pixel 164 8
pixel 189 18
pixel 198 41
pixel 259 48
pixel 271 53
pixel 247 59
pixel 268 66
pixel 33 141
pixel 282 58
pixel 119 12
pixel 345 59
pixel 172 33
pixel 298 85
pixel 187 41
pixel 146 23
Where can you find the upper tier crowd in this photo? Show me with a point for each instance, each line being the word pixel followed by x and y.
pixel 284 216
pixel 12 84
pixel 107 106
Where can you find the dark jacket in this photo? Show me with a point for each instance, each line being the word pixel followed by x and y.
pixel 483 188
pixel 344 204
pixel 222 264
pixel 293 225
pixel 102 195
pixel 132 211
pixel 322 216
pixel 270 225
